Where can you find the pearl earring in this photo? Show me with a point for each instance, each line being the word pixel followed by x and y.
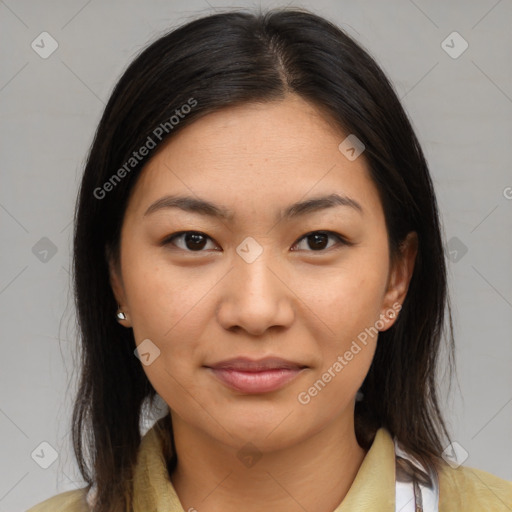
pixel 120 315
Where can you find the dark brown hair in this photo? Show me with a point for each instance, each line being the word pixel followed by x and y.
pixel 229 59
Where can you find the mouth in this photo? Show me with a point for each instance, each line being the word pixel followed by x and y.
pixel 256 376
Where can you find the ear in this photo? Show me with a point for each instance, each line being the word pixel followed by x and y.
pixel 398 281
pixel 116 283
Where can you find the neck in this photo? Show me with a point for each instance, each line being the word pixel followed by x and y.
pixel 313 474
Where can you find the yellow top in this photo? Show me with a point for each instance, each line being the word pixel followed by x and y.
pixel 463 489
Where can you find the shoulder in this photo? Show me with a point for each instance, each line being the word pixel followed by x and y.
pixel 471 489
pixel 69 501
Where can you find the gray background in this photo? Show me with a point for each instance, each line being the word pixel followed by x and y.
pixel 461 109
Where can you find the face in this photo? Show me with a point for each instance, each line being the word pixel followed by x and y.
pixel 310 285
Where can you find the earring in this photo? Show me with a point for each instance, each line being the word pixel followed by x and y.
pixel 120 315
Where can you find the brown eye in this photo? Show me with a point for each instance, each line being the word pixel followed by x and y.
pixel 318 240
pixel 192 241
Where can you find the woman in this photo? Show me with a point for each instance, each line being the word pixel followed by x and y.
pixel 257 242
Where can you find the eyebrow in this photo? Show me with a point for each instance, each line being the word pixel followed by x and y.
pixel 207 208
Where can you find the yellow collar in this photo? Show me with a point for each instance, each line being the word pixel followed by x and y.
pixel 373 488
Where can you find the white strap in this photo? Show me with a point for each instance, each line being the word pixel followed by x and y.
pixel 428 495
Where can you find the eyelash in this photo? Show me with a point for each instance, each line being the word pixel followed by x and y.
pixel 342 241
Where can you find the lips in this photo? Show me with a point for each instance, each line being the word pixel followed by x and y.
pixel 246 364
pixel 256 376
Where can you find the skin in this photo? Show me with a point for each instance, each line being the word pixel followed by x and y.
pixel 294 301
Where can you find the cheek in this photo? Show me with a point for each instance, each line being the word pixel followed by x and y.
pixel 172 307
pixel 348 307
pixel 168 307
pixel 163 300
pixel 346 298
pixel 348 302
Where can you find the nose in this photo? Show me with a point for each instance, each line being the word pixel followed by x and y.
pixel 256 296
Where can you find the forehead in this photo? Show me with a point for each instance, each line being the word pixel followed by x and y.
pixel 255 155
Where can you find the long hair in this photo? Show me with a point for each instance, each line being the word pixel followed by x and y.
pixel 208 64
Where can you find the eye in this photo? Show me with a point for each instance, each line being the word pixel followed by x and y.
pixel 194 240
pixel 319 238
